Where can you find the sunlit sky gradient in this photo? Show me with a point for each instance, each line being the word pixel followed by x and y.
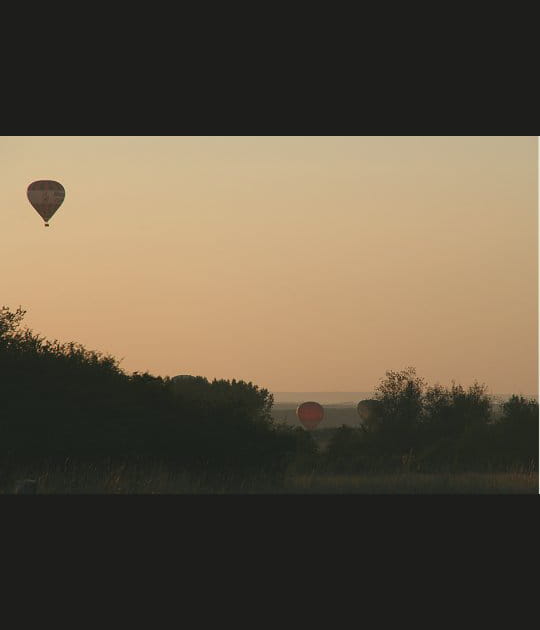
pixel 299 263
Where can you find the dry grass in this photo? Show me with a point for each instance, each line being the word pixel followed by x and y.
pixel 158 479
pixel 416 483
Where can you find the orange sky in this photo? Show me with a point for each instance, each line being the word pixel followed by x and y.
pixel 296 262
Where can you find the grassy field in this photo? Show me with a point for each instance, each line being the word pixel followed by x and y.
pixel 416 483
pixel 88 479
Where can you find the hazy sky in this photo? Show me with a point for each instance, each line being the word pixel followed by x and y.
pixel 296 262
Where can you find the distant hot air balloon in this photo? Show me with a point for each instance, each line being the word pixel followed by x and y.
pixel 46 196
pixel 310 414
pixel 367 410
pixel 186 382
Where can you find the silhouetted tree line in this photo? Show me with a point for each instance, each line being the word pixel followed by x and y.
pixel 419 427
pixel 60 400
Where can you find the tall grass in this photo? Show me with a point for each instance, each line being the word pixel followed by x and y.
pixel 416 483
pixel 140 478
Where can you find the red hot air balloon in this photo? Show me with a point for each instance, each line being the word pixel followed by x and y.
pixel 46 196
pixel 310 414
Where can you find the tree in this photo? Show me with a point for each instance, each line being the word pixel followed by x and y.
pixel 60 399
pixel 518 429
pixel 400 396
pixel 448 412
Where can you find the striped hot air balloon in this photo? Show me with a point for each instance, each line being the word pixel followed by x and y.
pixel 46 196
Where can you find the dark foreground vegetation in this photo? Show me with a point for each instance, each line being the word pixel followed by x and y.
pixel 73 419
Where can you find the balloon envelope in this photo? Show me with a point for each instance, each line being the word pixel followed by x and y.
pixel 367 410
pixel 310 414
pixel 46 196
